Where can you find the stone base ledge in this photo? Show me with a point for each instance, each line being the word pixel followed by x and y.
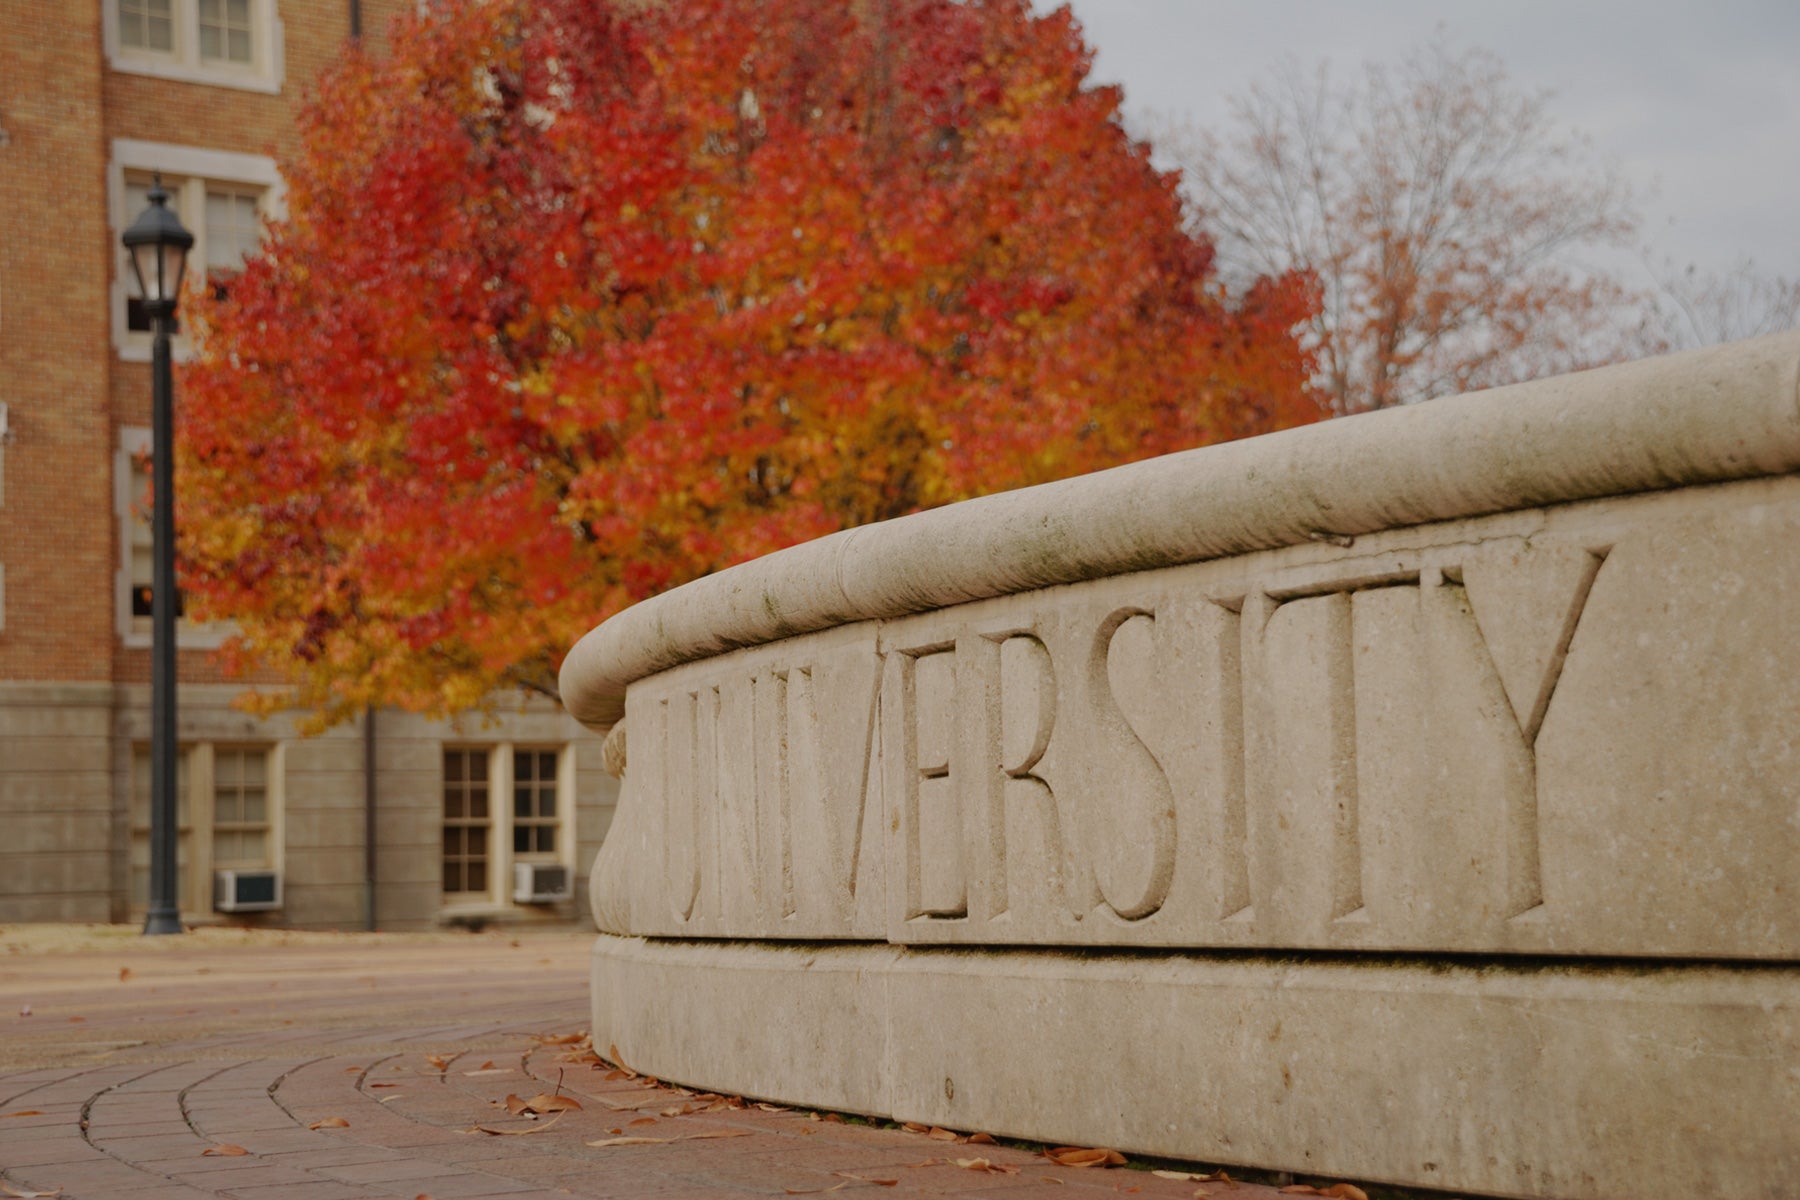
pixel 1580 1081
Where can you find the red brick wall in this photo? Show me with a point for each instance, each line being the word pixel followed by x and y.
pixel 56 527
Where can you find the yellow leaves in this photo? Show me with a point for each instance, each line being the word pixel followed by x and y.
pixel 224 1150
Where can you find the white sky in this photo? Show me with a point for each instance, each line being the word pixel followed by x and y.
pixel 1698 103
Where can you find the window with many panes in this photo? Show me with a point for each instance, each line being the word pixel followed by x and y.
pixel 467 821
pixel 534 816
pixel 225 30
pixel 225 817
pixel 225 43
pixel 225 219
pixel 135 597
pixel 147 25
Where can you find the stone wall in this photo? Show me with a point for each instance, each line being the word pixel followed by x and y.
pixel 1410 798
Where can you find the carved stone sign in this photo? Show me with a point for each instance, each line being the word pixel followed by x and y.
pixel 1413 743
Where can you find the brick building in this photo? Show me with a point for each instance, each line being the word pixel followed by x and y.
pixel 95 95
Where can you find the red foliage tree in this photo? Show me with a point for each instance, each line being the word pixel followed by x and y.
pixel 574 301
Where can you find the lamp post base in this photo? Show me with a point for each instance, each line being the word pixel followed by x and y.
pixel 162 922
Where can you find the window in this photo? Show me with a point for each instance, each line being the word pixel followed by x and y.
pixel 484 835
pixel 135 593
pixel 225 30
pixel 466 822
pixel 534 802
pixel 147 25
pixel 226 43
pixel 226 808
pixel 223 199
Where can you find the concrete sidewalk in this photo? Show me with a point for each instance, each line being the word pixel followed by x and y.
pixel 341 1066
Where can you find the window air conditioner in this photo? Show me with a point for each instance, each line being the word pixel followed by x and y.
pixel 246 891
pixel 540 883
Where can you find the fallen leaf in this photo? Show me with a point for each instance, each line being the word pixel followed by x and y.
pixel 538 1128
pixel 772 1107
pixel 628 1141
pixel 715 1133
pixel 838 1118
pixel 12 1191
pixel 982 1139
pixel 1345 1191
pixel 867 1179
pixel 982 1164
pixel 564 1039
pixel 330 1123
pixel 543 1102
pixel 440 1061
pixel 384 1085
pixel 642 1121
pixel 930 1162
pixel 1179 1175
pixel 25 1112
pixel 915 1127
pixel 515 1104
pixel 226 1150
pixel 836 1187
pixel 1079 1156
pixel 76 1020
pixel 124 974
pixel 1201 1194
pixel 612 1051
pixel 940 1135
pixel 613 1074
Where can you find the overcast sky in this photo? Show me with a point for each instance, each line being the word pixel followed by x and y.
pixel 1699 103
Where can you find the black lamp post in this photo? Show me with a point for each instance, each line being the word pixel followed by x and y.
pixel 158 246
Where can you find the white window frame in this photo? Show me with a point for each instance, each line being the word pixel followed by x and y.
pixel 263 73
pixel 194 168
pixel 501 855
pixel 195 889
pixel 135 442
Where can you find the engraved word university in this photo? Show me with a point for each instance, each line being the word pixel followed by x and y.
pixel 1343 754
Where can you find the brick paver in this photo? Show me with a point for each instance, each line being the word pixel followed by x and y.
pixel 366 1067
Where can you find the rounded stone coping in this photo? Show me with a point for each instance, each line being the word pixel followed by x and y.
pixel 1705 416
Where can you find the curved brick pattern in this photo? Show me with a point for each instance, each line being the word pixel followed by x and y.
pixel 413 1078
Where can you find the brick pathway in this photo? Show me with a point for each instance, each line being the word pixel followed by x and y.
pixel 312 1067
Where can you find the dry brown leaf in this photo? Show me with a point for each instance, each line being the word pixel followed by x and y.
pixel 836 1118
pixel 930 1162
pixel 24 1112
pixel 982 1164
pixel 867 1179
pixel 1179 1175
pixel 629 1141
pixel 543 1102
pixel 224 1150
pixel 1080 1156
pixel 515 1104
pixel 678 1110
pixel 915 1127
pixel 13 1191
pixel 538 1128
pixel 559 1039
pixel 1345 1191
pixel 124 974
pixel 772 1107
pixel 715 1133
pixel 330 1123
pixel 836 1187
pixel 612 1052
pixel 613 1074
pixel 642 1121
pixel 1201 1194
pixel 942 1135
pixel 982 1139
pixel 384 1085
pixel 440 1061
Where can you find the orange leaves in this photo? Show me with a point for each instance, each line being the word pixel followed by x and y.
pixel 1077 1156
pixel 224 1150
pixel 329 1123
pixel 738 274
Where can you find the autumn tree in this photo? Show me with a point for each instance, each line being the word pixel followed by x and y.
pixel 573 302
pixel 1443 214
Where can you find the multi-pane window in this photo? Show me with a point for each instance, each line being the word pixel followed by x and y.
pixel 140 826
pixel 225 30
pixel 225 219
pixel 466 821
pixel 240 817
pixel 534 802
pixel 140 546
pixel 147 25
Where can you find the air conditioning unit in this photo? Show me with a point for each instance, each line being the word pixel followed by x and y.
pixel 540 883
pixel 237 891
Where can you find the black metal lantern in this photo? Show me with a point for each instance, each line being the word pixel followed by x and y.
pixel 159 248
